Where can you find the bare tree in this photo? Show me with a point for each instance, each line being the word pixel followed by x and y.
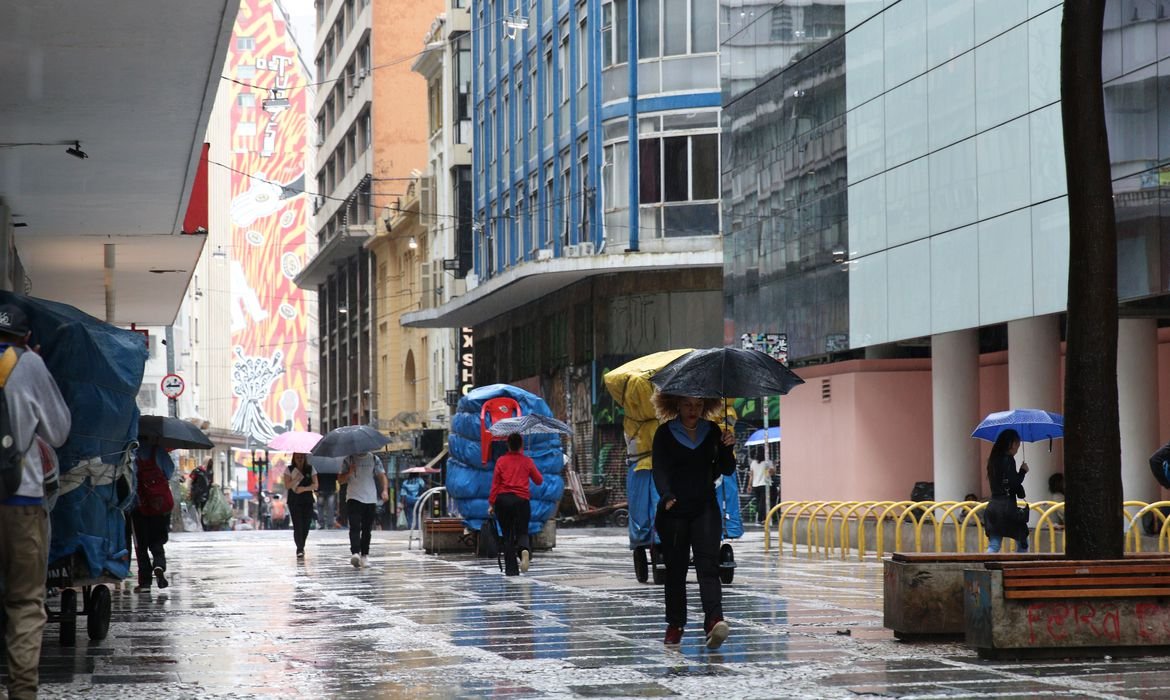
pixel 1092 453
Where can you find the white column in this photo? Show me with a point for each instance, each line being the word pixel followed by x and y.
pixel 954 381
pixel 1137 402
pixel 1034 382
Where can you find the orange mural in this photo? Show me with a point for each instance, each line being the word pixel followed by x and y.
pixel 269 320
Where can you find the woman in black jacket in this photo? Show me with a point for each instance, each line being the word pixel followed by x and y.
pixel 690 453
pixel 1007 484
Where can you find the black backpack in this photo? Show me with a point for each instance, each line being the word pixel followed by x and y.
pixel 200 488
pixel 11 455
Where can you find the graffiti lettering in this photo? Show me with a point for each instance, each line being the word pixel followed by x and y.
pixel 1153 622
pixel 1057 622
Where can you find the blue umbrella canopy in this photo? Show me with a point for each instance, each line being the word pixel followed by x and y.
pixel 1032 425
pixel 763 435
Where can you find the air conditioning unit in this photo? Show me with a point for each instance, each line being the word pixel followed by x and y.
pixel 543 254
pixel 572 251
pixel 586 248
pixel 319 141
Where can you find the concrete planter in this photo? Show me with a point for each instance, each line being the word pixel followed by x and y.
pixel 923 593
pixel 1070 620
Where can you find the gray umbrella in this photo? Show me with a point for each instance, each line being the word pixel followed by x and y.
pixel 326 465
pixel 530 424
pixel 172 433
pixel 350 440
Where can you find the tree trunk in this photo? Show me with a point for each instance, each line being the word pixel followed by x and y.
pixel 1092 456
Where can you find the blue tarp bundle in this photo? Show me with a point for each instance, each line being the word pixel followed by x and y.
pixel 469 480
pixel 727 493
pixel 98 368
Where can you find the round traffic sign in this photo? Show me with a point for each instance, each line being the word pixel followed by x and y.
pixel 173 386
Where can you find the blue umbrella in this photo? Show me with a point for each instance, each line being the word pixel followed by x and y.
pixel 1032 425
pixel 763 435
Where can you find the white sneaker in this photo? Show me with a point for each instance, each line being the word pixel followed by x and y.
pixel 525 558
pixel 356 561
pixel 365 561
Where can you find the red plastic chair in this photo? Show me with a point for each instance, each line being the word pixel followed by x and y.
pixel 492 411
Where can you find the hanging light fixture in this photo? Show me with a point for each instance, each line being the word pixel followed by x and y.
pixel 412 243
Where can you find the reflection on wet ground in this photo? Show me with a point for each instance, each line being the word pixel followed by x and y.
pixel 244 619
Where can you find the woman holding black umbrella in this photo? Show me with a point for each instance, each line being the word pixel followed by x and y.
pixel 690 453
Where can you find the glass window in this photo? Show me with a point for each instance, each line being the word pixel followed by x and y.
pixel 905 29
pixel 563 62
pixel 951 89
pixel 1004 178
pixel 704 30
pixel 674 29
pixel 950 30
pixel 705 166
pixel 649 171
pixel 607 35
pixel 1001 83
pixel 582 52
pixel 675 166
pixel 548 82
pixel 648 29
pixel 952 188
pixel 907 116
pixel 246 99
pixel 622 35
pixel 864 63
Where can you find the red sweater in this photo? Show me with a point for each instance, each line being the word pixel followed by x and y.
pixel 513 470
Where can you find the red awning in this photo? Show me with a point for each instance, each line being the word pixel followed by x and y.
pixel 197 219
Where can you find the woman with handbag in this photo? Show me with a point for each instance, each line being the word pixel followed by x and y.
pixel 301 481
pixel 1004 517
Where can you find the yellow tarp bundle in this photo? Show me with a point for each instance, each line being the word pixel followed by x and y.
pixel 630 387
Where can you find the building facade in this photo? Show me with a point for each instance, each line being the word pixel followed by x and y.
pixel 586 251
pixel 369 134
pixel 894 177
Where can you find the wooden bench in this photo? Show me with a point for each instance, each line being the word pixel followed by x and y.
pixel 1084 579
pixel 446 534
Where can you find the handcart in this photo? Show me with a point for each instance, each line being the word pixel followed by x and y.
pixel 648 562
pixel 70 576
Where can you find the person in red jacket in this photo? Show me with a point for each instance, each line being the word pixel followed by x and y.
pixel 509 501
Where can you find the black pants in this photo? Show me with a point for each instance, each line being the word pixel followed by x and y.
pixel 361 523
pixel 301 510
pixel 681 535
pixel 513 513
pixel 761 493
pixel 151 533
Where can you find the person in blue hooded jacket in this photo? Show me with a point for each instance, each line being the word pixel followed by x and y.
pixel 690 453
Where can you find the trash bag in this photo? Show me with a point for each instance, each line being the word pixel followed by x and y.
pixel 217 512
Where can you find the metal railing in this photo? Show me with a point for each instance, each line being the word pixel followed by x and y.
pixel 822 520
pixel 419 506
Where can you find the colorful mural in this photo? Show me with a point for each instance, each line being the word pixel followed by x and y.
pixel 269 323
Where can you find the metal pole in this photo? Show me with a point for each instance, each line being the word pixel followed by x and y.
pixel 172 404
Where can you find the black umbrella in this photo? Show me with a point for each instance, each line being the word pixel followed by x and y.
pixel 326 465
pixel 350 440
pixel 172 433
pixel 724 373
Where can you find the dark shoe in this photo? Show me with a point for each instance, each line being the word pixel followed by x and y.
pixel 300 554
pixel 673 636
pixel 717 631
pixel 160 576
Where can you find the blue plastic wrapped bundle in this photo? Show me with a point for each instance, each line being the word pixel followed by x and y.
pixel 469 480
pixel 643 504
pixel 98 368
pixel 727 493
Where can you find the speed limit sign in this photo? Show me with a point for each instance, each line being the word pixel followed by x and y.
pixel 173 386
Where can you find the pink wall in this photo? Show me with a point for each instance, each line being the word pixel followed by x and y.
pixel 873 439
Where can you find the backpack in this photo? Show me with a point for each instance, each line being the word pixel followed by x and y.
pixel 11 455
pixel 154 491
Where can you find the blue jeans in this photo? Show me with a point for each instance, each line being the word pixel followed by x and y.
pixel 994 542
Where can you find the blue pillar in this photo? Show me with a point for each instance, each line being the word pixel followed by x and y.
pixel 633 125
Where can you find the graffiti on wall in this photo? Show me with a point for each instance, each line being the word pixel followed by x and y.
pixel 269 323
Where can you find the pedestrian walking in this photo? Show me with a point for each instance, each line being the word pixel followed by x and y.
pixel 690 453
pixel 151 517
pixel 509 501
pixel 365 482
pixel 412 489
pixel 34 408
pixel 301 482
pixel 327 501
pixel 761 469
pixel 202 479
pixel 1004 517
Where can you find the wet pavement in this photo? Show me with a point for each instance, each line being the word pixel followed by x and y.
pixel 244 619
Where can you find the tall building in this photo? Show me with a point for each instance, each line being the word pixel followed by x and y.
pixel 894 181
pixel 369 133
pixel 583 255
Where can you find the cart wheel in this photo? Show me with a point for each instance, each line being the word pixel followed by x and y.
pixel 68 636
pixel 97 621
pixel 726 564
pixel 657 567
pixel 621 518
pixel 641 566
